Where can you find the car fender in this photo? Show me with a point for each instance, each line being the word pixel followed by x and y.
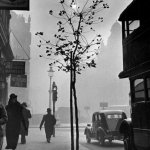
pixel 126 127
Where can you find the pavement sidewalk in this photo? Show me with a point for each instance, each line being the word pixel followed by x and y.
pixel 36 140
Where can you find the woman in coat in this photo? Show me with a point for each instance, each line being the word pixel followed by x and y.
pixel 49 121
pixel 27 115
pixel 15 117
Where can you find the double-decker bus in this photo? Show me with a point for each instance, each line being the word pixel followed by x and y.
pixel 135 21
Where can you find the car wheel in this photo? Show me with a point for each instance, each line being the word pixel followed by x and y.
pixel 88 138
pixel 101 140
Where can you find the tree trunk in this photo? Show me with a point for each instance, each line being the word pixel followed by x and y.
pixel 71 107
pixel 76 107
pixel 76 119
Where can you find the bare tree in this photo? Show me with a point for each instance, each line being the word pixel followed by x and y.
pixel 77 44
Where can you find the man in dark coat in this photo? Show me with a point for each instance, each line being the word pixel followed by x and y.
pixel 3 120
pixel 49 121
pixel 27 116
pixel 15 117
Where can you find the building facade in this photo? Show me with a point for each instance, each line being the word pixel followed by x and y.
pixel 5 53
pixel 20 41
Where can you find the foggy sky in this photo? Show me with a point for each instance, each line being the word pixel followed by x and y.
pixel 102 84
pixel 93 86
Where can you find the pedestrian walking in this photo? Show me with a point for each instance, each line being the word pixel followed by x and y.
pixel 27 115
pixel 3 120
pixel 15 117
pixel 49 121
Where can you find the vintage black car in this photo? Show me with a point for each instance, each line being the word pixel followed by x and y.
pixel 105 126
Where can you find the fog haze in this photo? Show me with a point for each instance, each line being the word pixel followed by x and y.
pixel 95 85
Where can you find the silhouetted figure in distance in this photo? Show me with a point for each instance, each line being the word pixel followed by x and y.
pixel 49 121
pixel 27 115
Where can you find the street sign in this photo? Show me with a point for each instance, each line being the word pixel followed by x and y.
pixel 87 107
pixel 18 81
pixel 14 4
pixel 103 104
pixel 15 67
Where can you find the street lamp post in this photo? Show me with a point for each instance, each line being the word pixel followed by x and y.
pixel 50 74
pixel 54 89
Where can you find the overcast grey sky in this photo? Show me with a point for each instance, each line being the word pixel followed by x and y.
pixel 42 21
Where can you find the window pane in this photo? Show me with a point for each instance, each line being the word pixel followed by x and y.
pixel 99 117
pixel 139 90
pixel 139 84
pixel 148 86
pixel 95 117
pixel 133 25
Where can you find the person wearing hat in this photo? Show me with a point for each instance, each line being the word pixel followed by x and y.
pixel 49 121
pixel 15 117
pixel 27 116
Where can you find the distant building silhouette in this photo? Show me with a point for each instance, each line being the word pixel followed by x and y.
pixel 102 83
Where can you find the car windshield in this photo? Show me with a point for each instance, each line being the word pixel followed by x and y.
pixel 112 120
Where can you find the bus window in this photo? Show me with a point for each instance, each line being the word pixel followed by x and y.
pixel 139 90
pixel 148 87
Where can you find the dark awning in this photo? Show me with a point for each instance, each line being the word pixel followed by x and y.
pixel 136 10
pixel 129 13
pixel 140 69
